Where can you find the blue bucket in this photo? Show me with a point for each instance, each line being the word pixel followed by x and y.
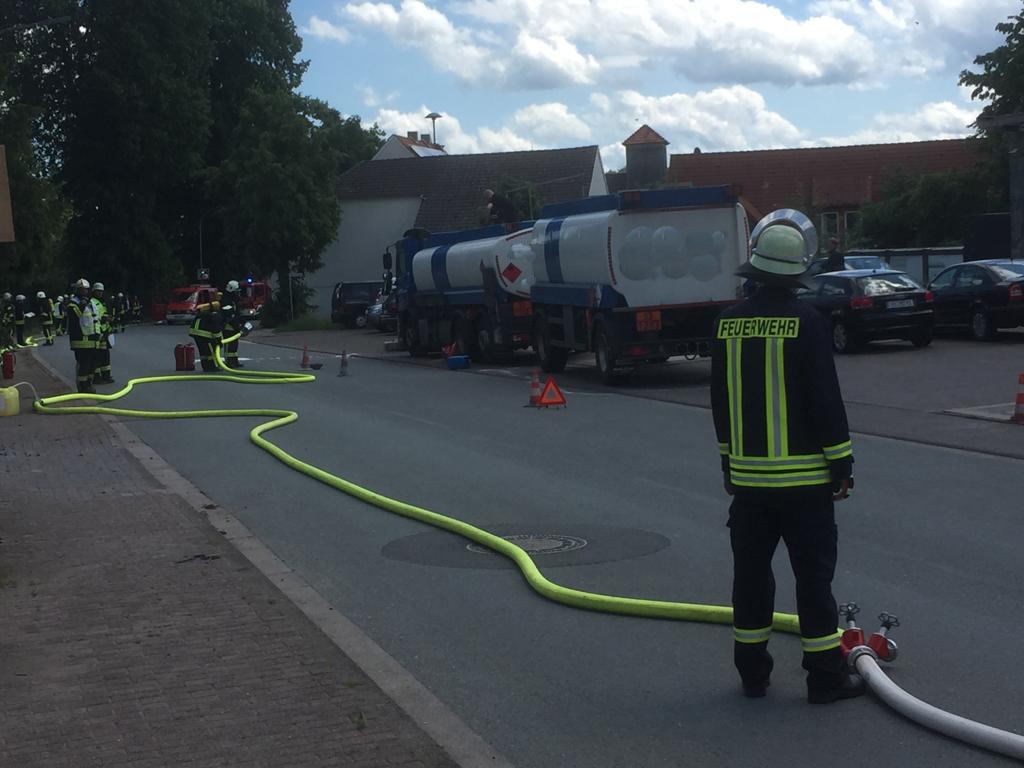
pixel 455 362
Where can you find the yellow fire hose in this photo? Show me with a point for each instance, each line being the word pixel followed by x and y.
pixel 717 614
pixel 1003 742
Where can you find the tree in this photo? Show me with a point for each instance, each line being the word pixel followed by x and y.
pixel 138 126
pixel 1001 79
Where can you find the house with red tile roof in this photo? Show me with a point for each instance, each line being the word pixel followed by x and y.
pixel 412 144
pixel 834 182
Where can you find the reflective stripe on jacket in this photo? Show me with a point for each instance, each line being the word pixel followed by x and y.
pixel 778 410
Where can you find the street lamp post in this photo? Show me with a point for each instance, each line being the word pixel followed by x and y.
pixel 433 117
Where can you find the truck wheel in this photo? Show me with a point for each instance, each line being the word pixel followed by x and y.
pixel 981 325
pixel 921 338
pixel 465 339
pixel 604 355
pixel 489 351
pixel 551 359
pixel 411 337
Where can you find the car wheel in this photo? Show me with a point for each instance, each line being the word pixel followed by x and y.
pixel 361 321
pixel 921 338
pixel 843 340
pixel 551 359
pixel 981 325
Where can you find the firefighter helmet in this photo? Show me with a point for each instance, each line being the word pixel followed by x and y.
pixel 20 297
pixel 7 296
pixel 232 286
pixel 781 246
pixel 97 286
pixel 41 295
pixel 82 283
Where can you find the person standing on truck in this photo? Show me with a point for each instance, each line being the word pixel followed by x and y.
pixel 500 210
pixel 786 454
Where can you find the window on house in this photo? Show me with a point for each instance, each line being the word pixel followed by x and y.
pixel 829 227
pixel 851 222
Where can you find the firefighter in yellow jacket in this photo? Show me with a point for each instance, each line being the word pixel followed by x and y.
pixel 206 332
pixel 786 457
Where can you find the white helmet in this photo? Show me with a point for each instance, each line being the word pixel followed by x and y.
pixel 232 286
pixel 59 299
pixel 781 246
pixel 7 296
pixel 20 297
pixel 41 295
pixel 82 283
pixel 120 295
pixel 97 286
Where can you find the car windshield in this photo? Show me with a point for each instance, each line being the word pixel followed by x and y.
pixel 881 285
pixel 1008 271
pixel 358 290
pixel 866 262
pixel 183 296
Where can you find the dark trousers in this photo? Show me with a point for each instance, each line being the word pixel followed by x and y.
pixel 805 520
pixel 230 351
pixel 205 353
pixel 84 369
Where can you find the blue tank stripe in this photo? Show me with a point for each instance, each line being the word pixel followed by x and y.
pixel 552 259
pixel 439 267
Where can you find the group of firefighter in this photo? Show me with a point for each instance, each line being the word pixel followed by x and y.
pixel 219 322
pixel 49 317
pixel 90 320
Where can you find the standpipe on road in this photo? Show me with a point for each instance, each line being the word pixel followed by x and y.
pixel 1006 743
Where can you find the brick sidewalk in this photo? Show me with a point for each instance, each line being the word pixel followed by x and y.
pixel 133 634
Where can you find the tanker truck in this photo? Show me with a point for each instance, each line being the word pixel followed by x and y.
pixel 635 277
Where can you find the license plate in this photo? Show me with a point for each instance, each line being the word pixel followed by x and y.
pixel 903 304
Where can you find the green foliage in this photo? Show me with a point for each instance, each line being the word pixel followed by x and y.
pixel 925 211
pixel 1001 79
pixel 165 119
pixel 283 306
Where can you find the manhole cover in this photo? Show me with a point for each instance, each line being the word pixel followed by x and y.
pixel 537 543
pixel 588 544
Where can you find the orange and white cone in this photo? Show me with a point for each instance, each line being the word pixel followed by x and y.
pixel 305 357
pixel 1018 408
pixel 534 388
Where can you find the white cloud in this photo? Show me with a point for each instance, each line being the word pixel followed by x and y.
pixel 451 134
pixel 552 122
pixel 373 99
pixel 732 118
pixel 326 30
pixel 936 120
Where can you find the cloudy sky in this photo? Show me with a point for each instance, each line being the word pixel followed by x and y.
pixel 714 74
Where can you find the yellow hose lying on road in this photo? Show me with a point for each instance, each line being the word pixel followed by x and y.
pixel 716 614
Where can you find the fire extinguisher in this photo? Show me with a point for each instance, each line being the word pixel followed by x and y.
pixel 8 364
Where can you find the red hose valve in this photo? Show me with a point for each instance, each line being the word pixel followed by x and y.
pixel 853 635
pixel 883 645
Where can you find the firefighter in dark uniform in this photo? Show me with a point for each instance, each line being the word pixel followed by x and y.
pixel 786 455
pixel 83 334
pixel 206 331
pixel 102 374
pixel 44 311
pixel 231 322
pixel 19 320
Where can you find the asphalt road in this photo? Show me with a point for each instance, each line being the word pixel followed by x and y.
pixel 932 534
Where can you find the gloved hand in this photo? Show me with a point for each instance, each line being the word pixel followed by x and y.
pixel 841 488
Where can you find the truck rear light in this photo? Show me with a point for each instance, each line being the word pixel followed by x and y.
pixel 1016 292
pixel 862 302
pixel 522 308
pixel 648 321
pixel 929 297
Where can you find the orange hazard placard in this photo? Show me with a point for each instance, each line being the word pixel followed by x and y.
pixel 551 394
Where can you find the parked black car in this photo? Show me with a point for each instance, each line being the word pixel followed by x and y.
pixel 980 295
pixel 870 305
pixel 851 262
pixel 383 313
pixel 350 301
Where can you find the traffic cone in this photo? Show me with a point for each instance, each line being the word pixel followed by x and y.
pixel 534 388
pixel 1018 408
pixel 305 357
pixel 343 364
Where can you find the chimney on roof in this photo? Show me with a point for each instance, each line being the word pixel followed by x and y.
pixel 414 135
pixel 425 138
pixel 646 158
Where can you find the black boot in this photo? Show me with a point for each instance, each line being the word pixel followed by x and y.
pixel 850 687
pixel 755 665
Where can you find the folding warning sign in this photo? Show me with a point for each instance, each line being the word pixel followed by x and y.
pixel 551 395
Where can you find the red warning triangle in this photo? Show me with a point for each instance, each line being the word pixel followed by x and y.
pixel 551 394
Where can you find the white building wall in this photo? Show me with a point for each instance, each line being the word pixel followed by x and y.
pixel 392 149
pixel 367 228
pixel 598 182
